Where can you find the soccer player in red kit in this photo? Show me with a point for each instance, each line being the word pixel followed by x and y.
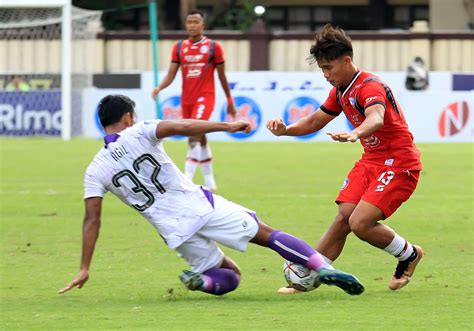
pixel 198 56
pixel 387 173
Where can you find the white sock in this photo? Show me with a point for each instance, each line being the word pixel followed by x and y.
pixel 192 159
pixel 327 260
pixel 400 248
pixel 206 167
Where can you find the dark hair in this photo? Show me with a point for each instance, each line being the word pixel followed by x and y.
pixel 329 44
pixel 113 107
pixel 196 12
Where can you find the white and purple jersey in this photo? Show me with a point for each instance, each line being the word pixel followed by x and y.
pixel 134 166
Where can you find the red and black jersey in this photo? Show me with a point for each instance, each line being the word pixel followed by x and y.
pixel 198 61
pixel 390 145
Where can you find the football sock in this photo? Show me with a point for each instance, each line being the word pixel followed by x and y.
pixel 296 250
pixel 206 166
pixel 192 159
pixel 219 281
pixel 400 248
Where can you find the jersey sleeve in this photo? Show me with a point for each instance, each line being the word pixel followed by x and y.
pixel 218 54
pixel 149 130
pixel 331 106
pixel 174 54
pixel 92 185
pixel 370 94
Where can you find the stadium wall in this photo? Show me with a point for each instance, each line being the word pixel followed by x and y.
pixel 119 52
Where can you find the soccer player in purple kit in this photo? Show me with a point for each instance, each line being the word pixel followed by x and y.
pixel 134 166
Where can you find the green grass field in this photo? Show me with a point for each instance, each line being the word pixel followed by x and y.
pixel 133 282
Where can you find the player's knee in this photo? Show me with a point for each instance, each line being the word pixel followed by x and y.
pixel 341 223
pixel 358 226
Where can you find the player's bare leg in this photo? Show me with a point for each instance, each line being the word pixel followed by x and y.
pixel 364 222
pixel 332 242
pixel 206 165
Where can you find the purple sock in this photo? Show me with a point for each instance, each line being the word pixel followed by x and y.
pixel 295 250
pixel 221 280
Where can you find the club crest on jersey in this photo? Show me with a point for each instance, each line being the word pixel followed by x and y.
pixel 204 49
pixel 247 110
pixel 345 184
pixel 298 108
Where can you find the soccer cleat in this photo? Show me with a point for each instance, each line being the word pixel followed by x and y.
pixel 346 282
pixel 405 270
pixel 288 290
pixel 192 280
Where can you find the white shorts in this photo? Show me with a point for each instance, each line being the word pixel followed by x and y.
pixel 229 224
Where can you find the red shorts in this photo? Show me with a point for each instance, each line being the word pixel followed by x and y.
pixel 384 187
pixel 200 110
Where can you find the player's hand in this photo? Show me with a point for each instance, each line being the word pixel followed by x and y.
pixel 343 136
pixel 79 281
pixel 239 126
pixel 231 111
pixel 276 126
pixel 155 92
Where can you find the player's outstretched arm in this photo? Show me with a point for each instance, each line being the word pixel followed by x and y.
pixel 173 69
pixel 308 124
pixel 189 127
pixel 373 121
pixel 90 233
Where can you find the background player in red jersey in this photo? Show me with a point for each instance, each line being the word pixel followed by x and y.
pixel 198 56
pixel 387 173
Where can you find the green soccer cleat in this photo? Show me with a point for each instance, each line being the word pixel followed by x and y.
pixel 192 280
pixel 346 282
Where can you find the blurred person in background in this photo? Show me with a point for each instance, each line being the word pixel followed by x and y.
pixel 198 56
pixel 417 75
pixel 388 172
pixel 17 84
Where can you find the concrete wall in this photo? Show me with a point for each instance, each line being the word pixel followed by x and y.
pixel 387 52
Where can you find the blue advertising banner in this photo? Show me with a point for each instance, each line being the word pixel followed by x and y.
pixel 30 113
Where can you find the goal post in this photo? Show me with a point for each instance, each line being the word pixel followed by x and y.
pixel 54 40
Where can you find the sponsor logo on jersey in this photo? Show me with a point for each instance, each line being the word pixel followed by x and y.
pixel 453 119
pixel 170 109
pixel 193 58
pixel 195 72
pixel 389 162
pixel 352 101
pixel 247 110
pixel 371 99
pixel 298 108
pixel 204 49
pixel 371 141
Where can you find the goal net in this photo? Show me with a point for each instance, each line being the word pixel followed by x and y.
pixel 45 64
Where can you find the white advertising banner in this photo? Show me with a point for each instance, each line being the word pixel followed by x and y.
pixel 433 115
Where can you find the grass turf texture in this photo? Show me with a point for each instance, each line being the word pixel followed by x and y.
pixel 133 281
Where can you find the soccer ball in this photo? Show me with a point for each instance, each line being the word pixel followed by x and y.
pixel 299 277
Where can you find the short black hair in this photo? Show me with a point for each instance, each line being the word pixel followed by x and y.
pixel 329 44
pixel 196 12
pixel 113 107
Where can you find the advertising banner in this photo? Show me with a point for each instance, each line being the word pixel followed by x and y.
pixel 30 113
